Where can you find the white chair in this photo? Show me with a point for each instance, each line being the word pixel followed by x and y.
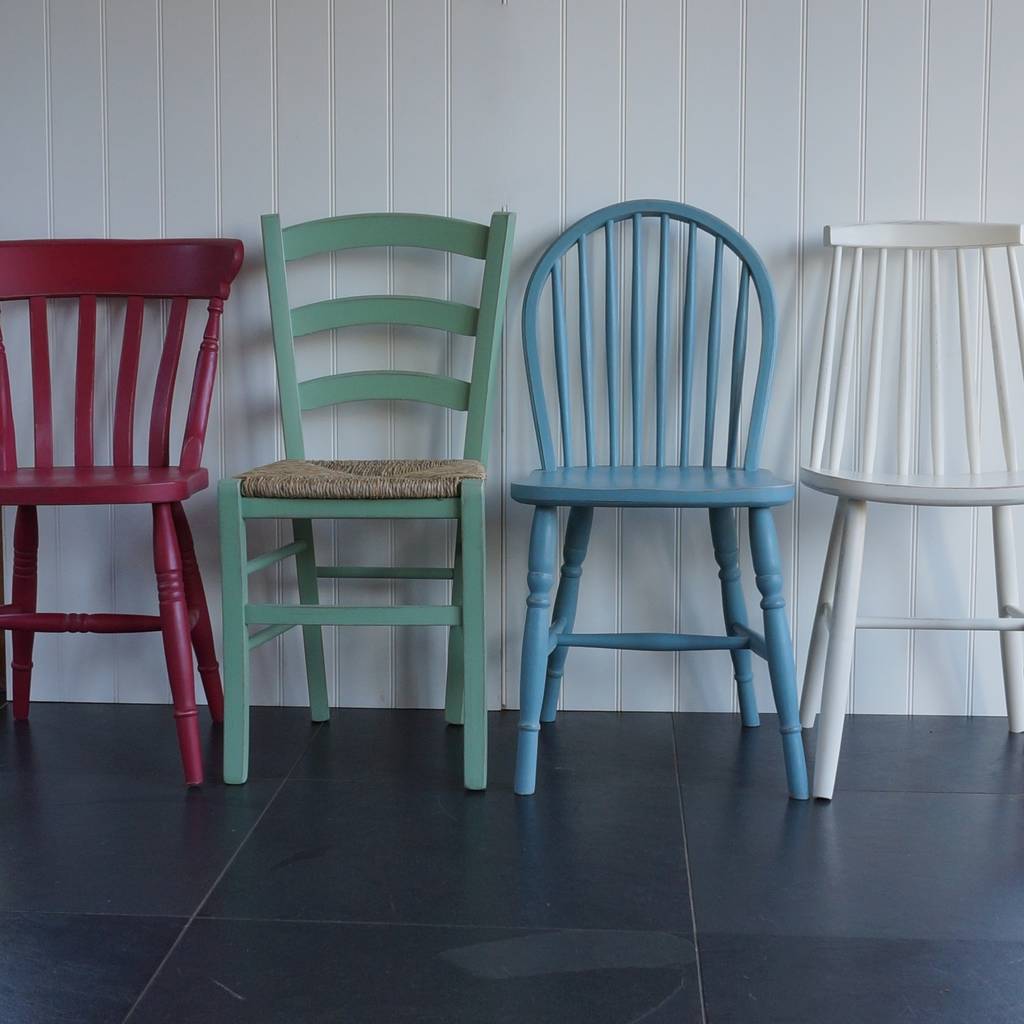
pixel 928 450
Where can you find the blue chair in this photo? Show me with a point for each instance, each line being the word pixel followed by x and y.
pixel 598 474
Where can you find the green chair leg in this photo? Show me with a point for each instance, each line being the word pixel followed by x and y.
pixel 474 643
pixel 234 595
pixel 312 636
pixel 454 712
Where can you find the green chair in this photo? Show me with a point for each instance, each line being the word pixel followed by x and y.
pixel 302 490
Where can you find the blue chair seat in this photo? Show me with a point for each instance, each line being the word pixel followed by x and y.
pixel 653 487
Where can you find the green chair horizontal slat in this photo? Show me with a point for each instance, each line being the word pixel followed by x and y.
pixel 384 572
pixel 409 310
pixel 268 633
pixel 334 615
pixel 269 558
pixel 397 385
pixel 418 231
pixel 312 508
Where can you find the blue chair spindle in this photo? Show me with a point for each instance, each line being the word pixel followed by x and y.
pixel 686 356
pixel 611 340
pixel 661 343
pixel 586 350
pixel 739 359
pixel 561 361
pixel 636 341
pixel 714 351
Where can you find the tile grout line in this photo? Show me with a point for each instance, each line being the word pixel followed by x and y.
pixel 689 876
pixel 227 867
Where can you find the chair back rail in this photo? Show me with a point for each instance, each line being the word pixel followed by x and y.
pixel 489 243
pixel 173 270
pixel 676 288
pixel 940 363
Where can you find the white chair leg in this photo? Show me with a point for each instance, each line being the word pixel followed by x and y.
pixel 814 670
pixel 1011 644
pixel 839 661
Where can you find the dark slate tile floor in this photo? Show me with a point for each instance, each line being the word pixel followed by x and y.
pixel 658 875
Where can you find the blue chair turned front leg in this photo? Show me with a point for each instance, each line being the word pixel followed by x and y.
pixel 577 537
pixel 536 634
pixel 764 547
pixel 726 542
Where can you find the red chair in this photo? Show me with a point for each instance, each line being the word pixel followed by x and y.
pixel 175 270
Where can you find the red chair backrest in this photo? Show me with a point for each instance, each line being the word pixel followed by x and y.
pixel 174 269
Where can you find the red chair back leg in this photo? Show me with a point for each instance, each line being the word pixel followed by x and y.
pixel 174 625
pixel 23 596
pixel 202 630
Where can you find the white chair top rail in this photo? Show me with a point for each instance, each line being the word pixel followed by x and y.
pixel 934 234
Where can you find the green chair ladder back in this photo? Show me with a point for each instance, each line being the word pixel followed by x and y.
pixel 302 490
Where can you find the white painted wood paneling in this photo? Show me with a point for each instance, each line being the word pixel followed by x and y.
pixel 194 117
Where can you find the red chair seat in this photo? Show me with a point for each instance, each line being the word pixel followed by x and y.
pixel 99 485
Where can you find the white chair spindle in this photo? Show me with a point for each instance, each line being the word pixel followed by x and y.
pixel 905 401
pixel 967 366
pixel 1018 298
pixel 845 376
pixel 938 418
pixel 828 345
pixel 875 366
pixel 999 362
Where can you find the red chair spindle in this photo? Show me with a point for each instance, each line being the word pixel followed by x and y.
pixel 202 389
pixel 85 380
pixel 127 380
pixel 163 394
pixel 8 449
pixel 42 402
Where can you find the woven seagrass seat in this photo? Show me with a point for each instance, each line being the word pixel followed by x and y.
pixel 360 479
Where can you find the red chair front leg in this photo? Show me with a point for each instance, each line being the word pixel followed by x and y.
pixel 174 625
pixel 202 630
pixel 23 596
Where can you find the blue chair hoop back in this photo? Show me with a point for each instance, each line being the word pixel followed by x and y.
pixel 549 275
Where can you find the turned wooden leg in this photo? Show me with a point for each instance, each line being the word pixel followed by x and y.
pixel 577 539
pixel 174 625
pixel 726 543
pixel 23 597
pixel 539 578
pixel 764 548
pixel 202 630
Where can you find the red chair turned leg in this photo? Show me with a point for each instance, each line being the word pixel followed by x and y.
pixel 202 630
pixel 174 625
pixel 23 597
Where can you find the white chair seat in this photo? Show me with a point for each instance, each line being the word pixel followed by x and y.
pixel 951 489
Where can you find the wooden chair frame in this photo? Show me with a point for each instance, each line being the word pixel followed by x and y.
pixel 845 463
pixel 466 698
pixel 580 480
pixel 171 270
